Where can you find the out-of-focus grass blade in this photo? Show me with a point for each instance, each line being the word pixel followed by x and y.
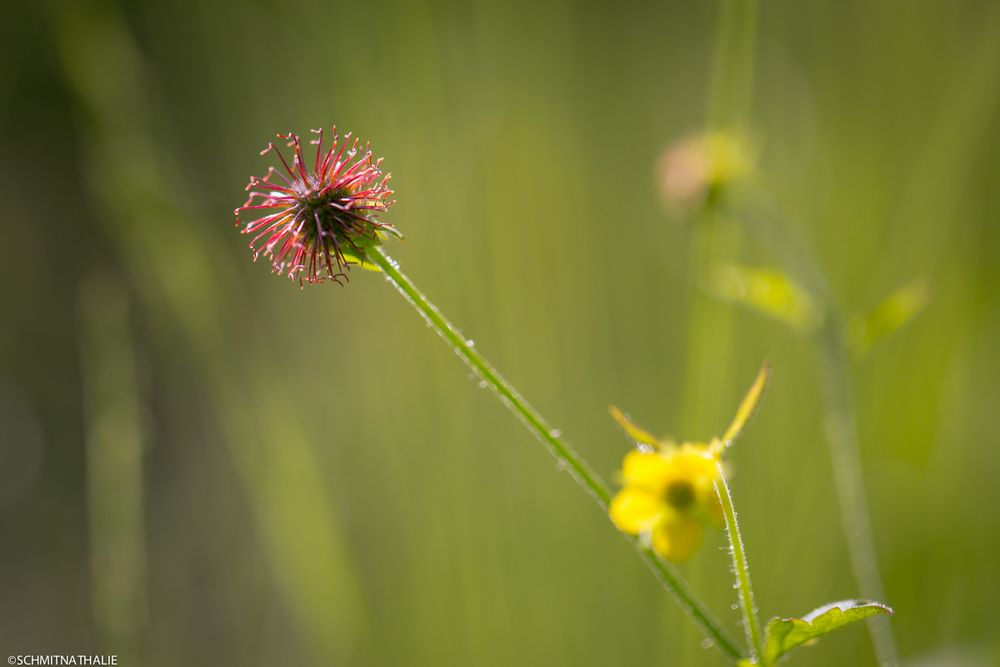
pixel 114 452
pixel 134 182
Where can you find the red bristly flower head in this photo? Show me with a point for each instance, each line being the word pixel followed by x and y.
pixel 317 219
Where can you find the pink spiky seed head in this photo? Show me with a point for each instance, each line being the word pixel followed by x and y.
pixel 317 219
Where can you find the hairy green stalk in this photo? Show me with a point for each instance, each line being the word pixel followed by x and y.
pixel 553 442
pixel 748 606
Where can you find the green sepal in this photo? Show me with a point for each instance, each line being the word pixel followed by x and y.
pixel 390 230
pixel 784 634
pixel 355 255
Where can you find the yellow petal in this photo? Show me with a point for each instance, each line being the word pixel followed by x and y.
pixel 635 511
pixel 677 536
pixel 646 469
pixel 695 463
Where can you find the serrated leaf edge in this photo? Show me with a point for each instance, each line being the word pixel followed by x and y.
pixel 867 608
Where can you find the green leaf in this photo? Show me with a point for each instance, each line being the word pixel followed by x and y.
pixel 768 291
pixel 784 634
pixel 889 316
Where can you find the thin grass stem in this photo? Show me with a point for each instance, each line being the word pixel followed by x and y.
pixel 731 85
pixel 578 469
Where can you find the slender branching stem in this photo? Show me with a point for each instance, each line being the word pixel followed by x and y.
pixel 553 441
pixel 830 346
pixel 845 453
pixel 748 607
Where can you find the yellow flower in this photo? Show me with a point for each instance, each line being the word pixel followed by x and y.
pixel 668 490
pixel 668 494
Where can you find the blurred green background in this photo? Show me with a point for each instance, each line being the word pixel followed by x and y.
pixel 201 464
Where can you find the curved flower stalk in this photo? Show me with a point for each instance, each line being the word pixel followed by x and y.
pixel 326 216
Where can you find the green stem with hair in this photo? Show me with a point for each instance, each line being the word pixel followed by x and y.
pixel 748 606
pixel 578 469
